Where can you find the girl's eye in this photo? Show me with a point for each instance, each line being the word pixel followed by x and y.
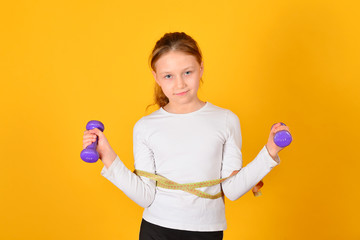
pixel 167 76
pixel 187 73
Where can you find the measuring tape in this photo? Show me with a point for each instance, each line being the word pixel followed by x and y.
pixel 190 187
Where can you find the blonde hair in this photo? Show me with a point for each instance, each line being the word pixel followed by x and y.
pixel 175 41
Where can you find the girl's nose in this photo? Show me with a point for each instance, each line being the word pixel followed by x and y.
pixel 180 83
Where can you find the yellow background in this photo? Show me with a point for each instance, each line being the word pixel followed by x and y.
pixel 63 63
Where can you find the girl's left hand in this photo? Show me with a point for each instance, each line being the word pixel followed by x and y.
pixel 272 148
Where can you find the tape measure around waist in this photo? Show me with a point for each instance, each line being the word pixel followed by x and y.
pixel 187 187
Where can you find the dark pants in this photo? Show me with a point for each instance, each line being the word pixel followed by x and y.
pixel 149 231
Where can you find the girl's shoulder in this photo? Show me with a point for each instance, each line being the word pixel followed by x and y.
pixel 230 116
pixel 223 110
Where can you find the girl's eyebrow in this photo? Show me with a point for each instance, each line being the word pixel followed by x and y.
pixel 183 70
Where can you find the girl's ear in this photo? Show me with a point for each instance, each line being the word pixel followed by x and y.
pixel 155 77
pixel 201 69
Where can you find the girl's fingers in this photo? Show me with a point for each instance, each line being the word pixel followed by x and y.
pixel 278 129
pixel 91 140
pixel 256 189
pixel 90 135
pixel 258 186
pixel 87 143
pixel 95 131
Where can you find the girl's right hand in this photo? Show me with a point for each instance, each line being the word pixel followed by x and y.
pixel 103 147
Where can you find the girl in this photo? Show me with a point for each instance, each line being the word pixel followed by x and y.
pixel 186 141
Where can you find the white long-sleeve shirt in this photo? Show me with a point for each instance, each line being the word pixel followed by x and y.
pixel 186 148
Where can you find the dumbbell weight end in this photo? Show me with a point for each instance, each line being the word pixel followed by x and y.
pixel 282 138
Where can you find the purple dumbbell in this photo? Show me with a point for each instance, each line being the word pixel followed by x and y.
pixel 282 138
pixel 89 154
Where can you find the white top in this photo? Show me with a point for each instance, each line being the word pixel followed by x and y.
pixel 186 148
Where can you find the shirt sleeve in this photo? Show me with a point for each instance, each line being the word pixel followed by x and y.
pixel 140 189
pixel 248 176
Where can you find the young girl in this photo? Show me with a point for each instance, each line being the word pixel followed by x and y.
pixel 186 141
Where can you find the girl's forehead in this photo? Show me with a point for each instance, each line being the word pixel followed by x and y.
pixel 175 60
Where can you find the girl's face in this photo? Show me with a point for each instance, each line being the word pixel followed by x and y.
pixel 178 74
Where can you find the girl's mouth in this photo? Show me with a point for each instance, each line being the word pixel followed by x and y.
pixel 182 93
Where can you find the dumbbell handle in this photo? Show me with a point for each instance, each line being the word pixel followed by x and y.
pixel 89 154
pixel 282 138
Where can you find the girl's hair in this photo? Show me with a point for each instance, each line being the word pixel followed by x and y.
pixel 175 41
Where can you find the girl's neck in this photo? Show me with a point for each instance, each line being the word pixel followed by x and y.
pixel 184 108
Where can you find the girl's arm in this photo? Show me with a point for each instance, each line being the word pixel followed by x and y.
pixel 248 176
pixel 140 189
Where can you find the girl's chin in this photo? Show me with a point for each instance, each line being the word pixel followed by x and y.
pixel 184 100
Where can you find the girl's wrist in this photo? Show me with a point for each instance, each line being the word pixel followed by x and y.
pixel 108 158
pixel 271 151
